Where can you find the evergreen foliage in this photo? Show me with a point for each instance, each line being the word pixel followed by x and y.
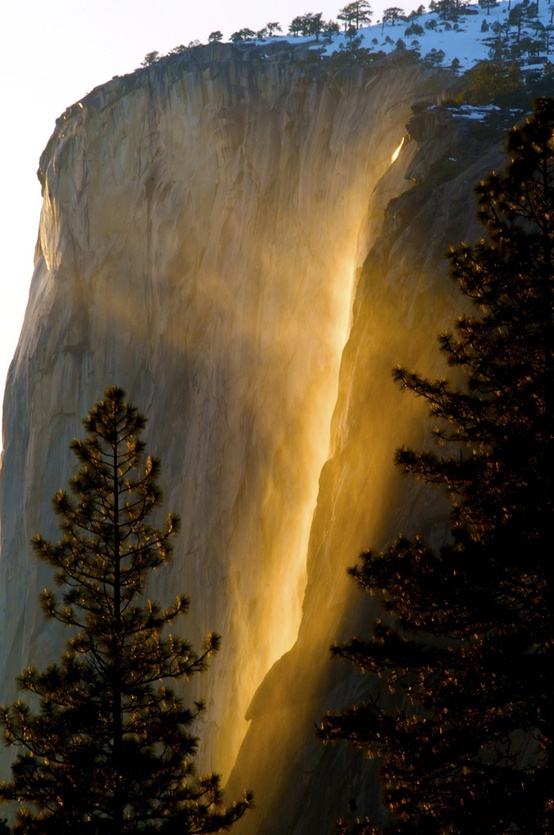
pixel 448 9
pixel 488 5
pixel 494 82
pixel 392 14
pixel 462 724
pixel 308 24
pixel 355 15
pixel 242 35
pixel 109 749
pixel 151 58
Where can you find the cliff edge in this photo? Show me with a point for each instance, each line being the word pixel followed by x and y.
pixel 204 226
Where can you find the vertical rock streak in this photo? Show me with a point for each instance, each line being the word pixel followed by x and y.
pixel 201 231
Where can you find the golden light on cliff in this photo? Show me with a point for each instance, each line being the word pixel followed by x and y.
pixel 395 155
pixel 234 299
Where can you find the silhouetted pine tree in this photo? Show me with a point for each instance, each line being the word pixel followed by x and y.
pixel 463 725
pixel 109 748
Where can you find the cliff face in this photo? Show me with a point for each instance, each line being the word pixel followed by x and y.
pixel 203 229
pixel 403 300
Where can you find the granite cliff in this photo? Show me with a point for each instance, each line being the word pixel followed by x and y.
pixel 226 235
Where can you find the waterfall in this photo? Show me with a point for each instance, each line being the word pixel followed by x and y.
pixel 203 229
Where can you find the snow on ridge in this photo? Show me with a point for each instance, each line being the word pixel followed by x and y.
pixel 462 39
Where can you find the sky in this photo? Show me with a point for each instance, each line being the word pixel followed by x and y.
pixel 52 54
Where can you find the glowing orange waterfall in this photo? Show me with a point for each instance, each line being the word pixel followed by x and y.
pixel 204 226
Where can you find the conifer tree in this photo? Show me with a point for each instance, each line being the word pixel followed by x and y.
pixel 461 716
pixel 105 742
pixel 355 15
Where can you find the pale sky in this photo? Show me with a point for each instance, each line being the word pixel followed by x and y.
pixel 51 54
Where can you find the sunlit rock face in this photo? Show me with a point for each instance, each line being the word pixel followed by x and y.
pixel 403 300
pixel 203 226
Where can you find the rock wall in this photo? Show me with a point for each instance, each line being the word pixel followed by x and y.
pixel 404 299
pixel 203 229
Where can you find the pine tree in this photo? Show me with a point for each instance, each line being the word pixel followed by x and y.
pixel 461 716
pixel 109 749
pixel 356 15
